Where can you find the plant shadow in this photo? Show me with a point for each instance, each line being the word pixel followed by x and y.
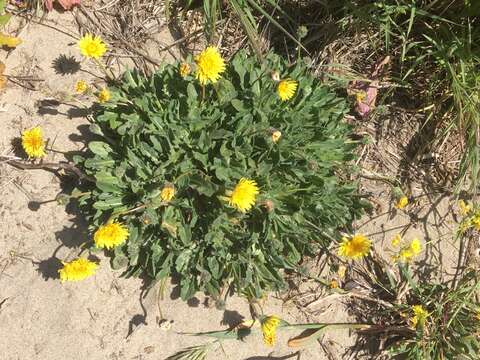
pixel 66 65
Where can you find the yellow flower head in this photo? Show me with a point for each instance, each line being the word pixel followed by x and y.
pixel 110 235
pixel 168 192
pixel 244 194
pixel 81 87
pixel 104 96
pixel 77 270
pixel 416 247
pixel 476 221
pixel 402 203
pixel 397 239
pixel 276 135
pixel 333 284
pixel 464 207
pixel 209 65
pixel 184 69
pixel 32 142
pixel 269 329
pixel 419 317
pixel 286 89
pixel 356 247
pixel 92 46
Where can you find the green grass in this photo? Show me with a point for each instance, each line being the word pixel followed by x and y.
pixel 435 48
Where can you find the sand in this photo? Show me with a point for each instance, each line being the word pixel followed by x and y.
pixel 104 317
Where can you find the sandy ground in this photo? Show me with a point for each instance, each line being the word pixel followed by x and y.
pixel 41 318
pixel 105 317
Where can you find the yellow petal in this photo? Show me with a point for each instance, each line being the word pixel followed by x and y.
pixel 9 41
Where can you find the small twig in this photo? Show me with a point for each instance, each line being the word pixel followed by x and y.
pixel 50 166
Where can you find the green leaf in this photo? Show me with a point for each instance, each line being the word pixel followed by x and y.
pixel 100 148
pixel 4 19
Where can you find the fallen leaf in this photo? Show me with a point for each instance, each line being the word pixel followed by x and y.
pixel 9 41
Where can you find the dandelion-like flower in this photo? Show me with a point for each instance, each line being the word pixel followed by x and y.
pixel 209 65
pixel 286 89
pixel 104 96
pixel 77 270
pixel 92 46
pixel 110 235
pixel 167 193
pixel 33 143
pixel 355 247
pixel 81 87
pixel 402 203
pixel 419 317
pixel 269 329
pixel 184 69
pixel 276 135
pixel 416 247
pixel 244 194
pixel 464 207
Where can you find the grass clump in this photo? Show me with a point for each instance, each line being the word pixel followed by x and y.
pixel 224 184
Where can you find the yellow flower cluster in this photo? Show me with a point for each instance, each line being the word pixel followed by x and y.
pixel 269 329
pixel 407 251
pixel 355 247
pixel 419 317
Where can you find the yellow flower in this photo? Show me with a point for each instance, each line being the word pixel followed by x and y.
pixel 104 96
pixel 81 86
pixel 476 221
pixel 465 225
pixel 286 89
pixel 356 247
pixel 416 247
pixel 276 135
pixel 360 96
pixel 110 235
pixel 405 255
pixel 77 270
pixel 419 317
pixel 464 208
pixel 333 284
pixel 209 65
pixel 168 192
pixel 244 194
pixel 397 239
pixel 402 203
pixel 184 69
pixel 410 251
pixel 32 142
pixel 269 329
pixel 92 46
